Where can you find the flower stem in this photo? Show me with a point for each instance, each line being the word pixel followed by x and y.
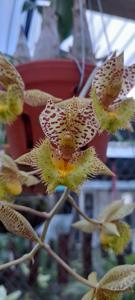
pixel 73 203
pixel 41 214
pixel 64 265
pixel 28 256
pixel 54 210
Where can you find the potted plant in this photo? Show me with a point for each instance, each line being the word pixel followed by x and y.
pixel 54 75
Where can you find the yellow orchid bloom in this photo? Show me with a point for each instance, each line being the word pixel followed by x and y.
pixel 114 233
pixel 11 98
pixel 60 159
pixel 13 95
pixel 12 179
pixel 109 91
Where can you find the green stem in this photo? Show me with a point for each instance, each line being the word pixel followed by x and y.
pixel 73 203
pixel 54 210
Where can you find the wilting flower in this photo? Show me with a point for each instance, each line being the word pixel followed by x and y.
pixel 113 285
pixel 59 159
pixel 109 91
pixel 114 233
pixel 12 179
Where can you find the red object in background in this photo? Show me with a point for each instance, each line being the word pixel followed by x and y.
pixel 58 77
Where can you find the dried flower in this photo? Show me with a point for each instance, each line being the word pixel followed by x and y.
pixel 113 285
pixel 59 159
pixel 114 233
pixel 110 87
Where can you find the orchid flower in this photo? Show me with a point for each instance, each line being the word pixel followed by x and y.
pixel 11 98
pixel 12 179
pixel 116 282
pixel 60 159
pixel 13 95
pixel 109 91
pixel 114 233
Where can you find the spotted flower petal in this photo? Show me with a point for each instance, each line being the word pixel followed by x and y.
pixel 119 279
pixel 78 124
pixel 128 81
pixel 107 295
pixel 108 80
pixel 11 104
pixel 16 223
pixel 116 282
pixel 52 121
pixel 9 75
pixel 11 100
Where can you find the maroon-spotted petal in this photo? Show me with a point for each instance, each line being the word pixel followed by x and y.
pixel 80 123
pixel 108 79
pixel 52 121
pixel 128 80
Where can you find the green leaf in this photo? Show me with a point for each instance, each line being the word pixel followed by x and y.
pixel 64 12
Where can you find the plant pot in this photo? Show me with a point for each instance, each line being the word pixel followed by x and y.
pixel 58 77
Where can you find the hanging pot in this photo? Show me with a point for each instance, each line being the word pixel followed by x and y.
pixel 58 77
